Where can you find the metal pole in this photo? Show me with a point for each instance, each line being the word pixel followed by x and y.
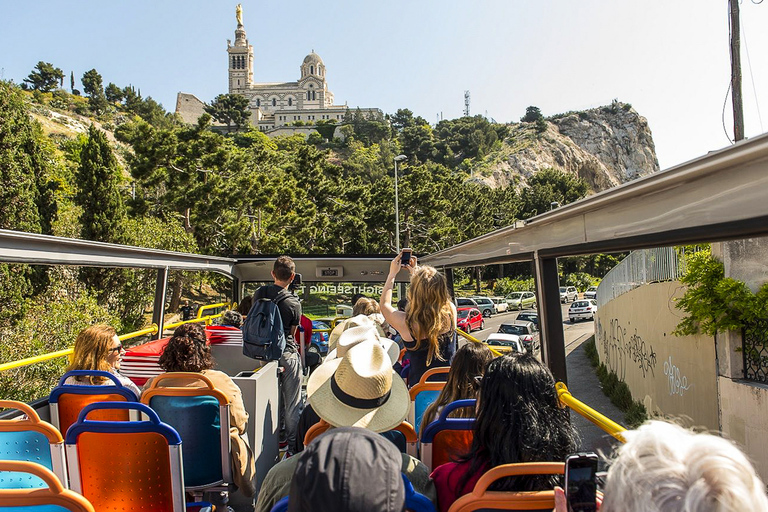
pixel 397 215
pixel 158 313
pixel 550 317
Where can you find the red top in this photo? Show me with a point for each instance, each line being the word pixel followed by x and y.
pixel 447 477
pixel 306 324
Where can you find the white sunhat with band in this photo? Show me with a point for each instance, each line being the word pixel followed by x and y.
pixel 359 389
pixel 366 332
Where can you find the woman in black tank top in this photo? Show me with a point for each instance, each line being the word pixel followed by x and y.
pixel 428 324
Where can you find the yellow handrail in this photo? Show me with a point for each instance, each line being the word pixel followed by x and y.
pixel 152 329
pixel 605 423
pixel 211 306
pixel 471 338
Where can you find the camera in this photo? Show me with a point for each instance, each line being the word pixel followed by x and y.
pixel 295 283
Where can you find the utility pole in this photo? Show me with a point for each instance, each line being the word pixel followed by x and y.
pixel 738 106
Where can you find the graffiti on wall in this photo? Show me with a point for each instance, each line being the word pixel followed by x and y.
pixel 621 350
pixel 677 383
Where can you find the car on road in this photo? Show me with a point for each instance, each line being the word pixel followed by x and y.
pixel 465 302
pixel 469 319
pixel 527 332
pixel 506 340
pixel 529 316
pixel 568 294
pixel 319 340
pixel 591 293
pixel 485 305
pixel 521 300
pixel 582 310
pixel 500 303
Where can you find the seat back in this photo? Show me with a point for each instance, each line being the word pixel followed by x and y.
pixel 446 438
pixel 404 437
pixel 422 395
pixel 124 466
pixel 415 502
pixel 315 430
pixel 482 499
pixel 67 400
pixel 30 440
pixel 49 497
pixel 439 374
pixel 201 417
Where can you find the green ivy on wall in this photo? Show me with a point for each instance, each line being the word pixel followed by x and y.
pixel 714 302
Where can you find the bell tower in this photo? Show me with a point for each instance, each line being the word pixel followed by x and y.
pixel 240 57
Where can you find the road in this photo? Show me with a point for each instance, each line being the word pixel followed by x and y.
pixel 575 333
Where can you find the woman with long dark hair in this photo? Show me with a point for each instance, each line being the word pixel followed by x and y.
pixel 428 324
pixel 519 419
pixel 467 370
pixel 187 351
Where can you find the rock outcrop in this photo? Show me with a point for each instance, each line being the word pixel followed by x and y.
pixel 606 146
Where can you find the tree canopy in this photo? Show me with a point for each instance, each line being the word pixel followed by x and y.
pixel 45 77
pixel 229 109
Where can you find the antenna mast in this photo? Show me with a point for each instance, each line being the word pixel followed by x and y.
pixel 466 103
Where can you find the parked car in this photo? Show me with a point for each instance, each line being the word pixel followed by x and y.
pixel 521 300
pixel 527 332
pixel 469 319
pixel 465 302
pixel 506 340
pixel 529 316
pixel 500 303
pixel 568 294
pixel 591 293
pixel 319 340
pixel 582 310
pixel 485 305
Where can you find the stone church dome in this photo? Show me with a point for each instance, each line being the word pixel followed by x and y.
pixel 313 58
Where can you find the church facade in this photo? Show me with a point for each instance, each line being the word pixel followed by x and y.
pixel 276 106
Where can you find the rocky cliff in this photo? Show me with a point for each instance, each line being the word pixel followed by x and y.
pixel 606 146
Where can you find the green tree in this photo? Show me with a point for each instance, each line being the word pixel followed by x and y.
pixel 93 87
pixel 548 186
pixel 98 180
pixel 532 114
pixel 45 77
pixel 229 109
pixel 113 93
pixel 467 137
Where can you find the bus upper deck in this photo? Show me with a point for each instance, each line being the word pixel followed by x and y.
pixel 718 197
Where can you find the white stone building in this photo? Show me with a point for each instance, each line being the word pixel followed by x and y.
pixel 275 106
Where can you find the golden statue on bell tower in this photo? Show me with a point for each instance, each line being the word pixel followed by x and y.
pixel 239 14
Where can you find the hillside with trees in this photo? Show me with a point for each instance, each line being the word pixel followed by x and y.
pixel 108 164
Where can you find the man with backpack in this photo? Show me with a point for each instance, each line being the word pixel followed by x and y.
pixel 289 309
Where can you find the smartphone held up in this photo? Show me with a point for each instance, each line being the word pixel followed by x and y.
pixel 405 256
pixel 581 483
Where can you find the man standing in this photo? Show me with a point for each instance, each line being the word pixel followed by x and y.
pixel 186 311
pixel 289 306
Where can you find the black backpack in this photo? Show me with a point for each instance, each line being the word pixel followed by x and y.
pixel 263 334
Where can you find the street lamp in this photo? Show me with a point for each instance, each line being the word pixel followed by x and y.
pixel 398 158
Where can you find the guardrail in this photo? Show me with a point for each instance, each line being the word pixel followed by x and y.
pixel 152 329
pixel 604 422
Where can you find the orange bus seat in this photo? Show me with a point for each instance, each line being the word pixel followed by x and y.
pixel 67 400
pixel 50 497
pixel 447 438
pixel 482 499
pixel 125 466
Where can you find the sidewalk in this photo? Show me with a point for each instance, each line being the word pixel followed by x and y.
pixel 583 384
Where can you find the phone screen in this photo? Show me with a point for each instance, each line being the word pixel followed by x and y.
pixel 405 259
pixel 580 485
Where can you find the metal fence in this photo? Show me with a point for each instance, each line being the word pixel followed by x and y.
pixel 639 268
pixel 755 351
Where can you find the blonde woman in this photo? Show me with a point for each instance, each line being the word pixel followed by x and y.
pixel 428 324
pixel 98 348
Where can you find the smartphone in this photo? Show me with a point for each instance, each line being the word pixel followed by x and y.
pixel 295 283
pixel 580 482
pixel 405 259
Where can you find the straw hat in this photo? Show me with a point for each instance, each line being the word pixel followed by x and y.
pixel 359 390
pixel 355 321
pixel 355 335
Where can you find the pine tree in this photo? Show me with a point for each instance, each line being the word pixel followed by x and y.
pixel 98 179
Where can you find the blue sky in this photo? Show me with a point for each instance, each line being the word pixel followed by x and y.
pixel 668 58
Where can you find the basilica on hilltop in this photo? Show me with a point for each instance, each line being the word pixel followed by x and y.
pixel 275 106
